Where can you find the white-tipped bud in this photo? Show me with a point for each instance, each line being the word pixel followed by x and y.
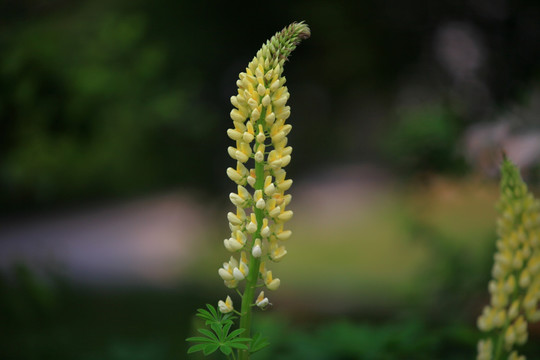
pixel 274 86
pixel 238 275
pixel 285 160
pixel 252 226
pixel 236 199
pixel 261 89
pixel 225 275
pixel 257 250
pixel 275 212
pixel 262 301
pixel 270 282
pixel 259 156
pixel 278 137
pixel 228 246
pixel 259 72
pixel 232 152
pixel 247 137
pixel 284 235
pixel 251 181
pixel 234 134
pixel 286 215
pixel 252 103
pixel 273 285
pixel 266 100
pixel 234 175
pixel 261 137
pixel 285 185
pixel 240 156
pixel 278 253
pixel 270 118
pixel 234 101
pixel 260 204
pixel 281 101
pixel 233 219
pixel 237 116
pixel 284 114
pixel 255 114
pixel 270 190
pixel 226 306
pixel 265 232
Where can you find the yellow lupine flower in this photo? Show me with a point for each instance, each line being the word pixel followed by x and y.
pixel 259 133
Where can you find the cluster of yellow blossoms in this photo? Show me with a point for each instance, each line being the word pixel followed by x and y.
pixel 260 132
pixel 515 287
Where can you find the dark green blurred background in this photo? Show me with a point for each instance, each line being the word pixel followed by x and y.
pixel 113 191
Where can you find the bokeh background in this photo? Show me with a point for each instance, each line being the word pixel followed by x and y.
pixel 113 193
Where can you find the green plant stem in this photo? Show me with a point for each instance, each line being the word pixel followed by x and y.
pixel 499 346
pixel 254 263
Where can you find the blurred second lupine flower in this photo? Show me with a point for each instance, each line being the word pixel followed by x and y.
pixel 515 287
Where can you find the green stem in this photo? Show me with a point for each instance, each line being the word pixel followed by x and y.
pixel 254 263
pixel 499 346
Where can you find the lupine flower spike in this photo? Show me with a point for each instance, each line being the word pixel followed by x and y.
pixel 261 152
pixel 515 287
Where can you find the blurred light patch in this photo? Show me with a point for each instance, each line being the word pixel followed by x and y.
pixel 145 242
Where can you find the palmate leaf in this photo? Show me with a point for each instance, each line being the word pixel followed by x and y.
pixel 195 348
pixel 218 336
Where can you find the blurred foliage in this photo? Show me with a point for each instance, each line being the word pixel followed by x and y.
pixel 424 139
pixel 91 105
pixel 54 319
pixel 413 338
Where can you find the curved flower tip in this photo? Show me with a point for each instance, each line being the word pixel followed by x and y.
pixel 282 44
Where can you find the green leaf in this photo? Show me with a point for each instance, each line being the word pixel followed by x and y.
pixel 226 329
pixel 208 333
pixel 258 343
pixel 239 340
pixel 238 346
pixel 229 317
pixel 218 330
pixel 236 332
pixel 210 348
pixel 213 311
pixel 195 348
pixel 199 338
pixel 226 349
pixel 204 314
